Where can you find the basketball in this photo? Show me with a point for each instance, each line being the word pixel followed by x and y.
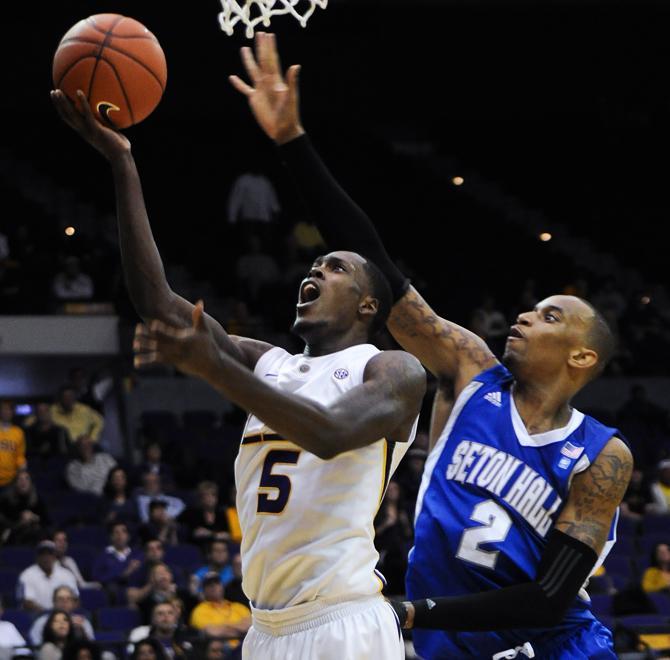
pixel 117 63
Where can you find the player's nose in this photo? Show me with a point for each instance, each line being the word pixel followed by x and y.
pixel 524 319
pixel 316 272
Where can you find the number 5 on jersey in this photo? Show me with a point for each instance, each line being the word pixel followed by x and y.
pixel 280 483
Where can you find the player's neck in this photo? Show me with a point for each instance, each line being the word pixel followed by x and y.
pixel 541 408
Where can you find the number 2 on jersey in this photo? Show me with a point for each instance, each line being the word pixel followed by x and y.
pixel 495 526
pixel 279 482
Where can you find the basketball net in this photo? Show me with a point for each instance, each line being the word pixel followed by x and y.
pixel 253 12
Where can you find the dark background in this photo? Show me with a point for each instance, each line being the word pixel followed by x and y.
pixel 562 105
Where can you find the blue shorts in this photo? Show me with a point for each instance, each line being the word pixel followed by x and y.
pixel 591 641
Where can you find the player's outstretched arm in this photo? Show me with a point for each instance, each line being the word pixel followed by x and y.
pixel 147 284
pixel 449 351
pixel 383 406
pixel 572 549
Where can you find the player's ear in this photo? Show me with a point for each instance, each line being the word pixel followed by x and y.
pixel 368 306
pixel 582 358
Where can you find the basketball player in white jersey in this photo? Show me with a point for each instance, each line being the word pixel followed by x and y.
pixel 326 430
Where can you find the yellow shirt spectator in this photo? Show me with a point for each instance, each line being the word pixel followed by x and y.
pixel 654 579
pixel 79 420
pixel 218 614
pixel 12 452
pixel 657 576
pixel 218 617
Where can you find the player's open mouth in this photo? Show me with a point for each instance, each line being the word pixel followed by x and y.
pixel 515 333
pixel 309 292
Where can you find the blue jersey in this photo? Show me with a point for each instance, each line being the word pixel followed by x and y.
pixel 489 496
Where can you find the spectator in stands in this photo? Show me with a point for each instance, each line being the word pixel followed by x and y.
pixel 117 504
pixel 85 391
pixel 71 283
pixel 64 600
pixel 83 649
pixel 160 525
pixel 645 423
pixel 11 639
pixel 232 517
pixel 88 472
pixel 234 590
pixel 218 561
pixel 59 538
pixel 164 628
pixel 215 649
pixel 117 563
pixel 409 478
pixel 160 588
pixel 77 418
pixel 58 632
pixel 217 617
pixel 657 576
pixel 153 490
pixel 393 538
pixel 153 463
pixel 23 514
pixel 660 489
pixel 149 649
pixel 44 438
pixel 207 520
pixel 610 302
pixel 154 553
pixel 12 445
pixel 490 324
pixel 637 499
pixel 252 201
pixel 255 270
pixel 37 583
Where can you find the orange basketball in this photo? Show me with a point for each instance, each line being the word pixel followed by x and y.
pixel 117 63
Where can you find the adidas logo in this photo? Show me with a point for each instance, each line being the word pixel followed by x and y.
pixel 495 398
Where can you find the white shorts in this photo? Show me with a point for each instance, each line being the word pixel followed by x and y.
pixel 365 629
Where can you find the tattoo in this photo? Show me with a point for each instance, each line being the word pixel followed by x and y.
pixel 595 495
pixel 413 321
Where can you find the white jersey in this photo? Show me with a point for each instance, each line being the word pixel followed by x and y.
pixel 307 523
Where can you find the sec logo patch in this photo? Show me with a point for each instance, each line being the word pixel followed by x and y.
pixel 341 374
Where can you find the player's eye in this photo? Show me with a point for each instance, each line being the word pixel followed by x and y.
pixel 339 267
pixel 551 317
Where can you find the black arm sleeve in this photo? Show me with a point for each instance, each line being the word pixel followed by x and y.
pixel 343 224
pixel 564 567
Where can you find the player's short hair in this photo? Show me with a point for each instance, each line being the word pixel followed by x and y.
pixel 600 338
pixel 381 290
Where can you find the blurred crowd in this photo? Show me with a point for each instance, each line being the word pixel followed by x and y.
pixel 264 253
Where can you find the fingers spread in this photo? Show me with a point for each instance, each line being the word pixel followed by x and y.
pixel 250 64
pixel 241 86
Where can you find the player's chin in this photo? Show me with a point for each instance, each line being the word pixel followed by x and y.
pixel 511 358
pixel 305 324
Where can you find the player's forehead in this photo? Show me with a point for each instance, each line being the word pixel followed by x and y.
pixel 570 308
pixel 344 257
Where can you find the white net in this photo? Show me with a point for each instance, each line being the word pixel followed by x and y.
pixel 254 12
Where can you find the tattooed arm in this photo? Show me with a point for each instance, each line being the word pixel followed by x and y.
pixel 572 550
pixel 595 494
pixel 449 351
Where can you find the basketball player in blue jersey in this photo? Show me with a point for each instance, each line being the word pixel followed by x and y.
pixel 520 493
pixel 326 431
